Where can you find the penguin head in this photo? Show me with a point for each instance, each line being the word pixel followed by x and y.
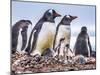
pixel 23 23
pixel 72 17
pixel 28 22
pixel 50 15
pixel 67 19
pixel 84 29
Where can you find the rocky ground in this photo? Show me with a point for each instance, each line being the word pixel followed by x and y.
pixel 23 63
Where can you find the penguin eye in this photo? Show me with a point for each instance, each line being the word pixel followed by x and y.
pixel 49 14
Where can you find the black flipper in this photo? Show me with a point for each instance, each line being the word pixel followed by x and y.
pixel 36 31
pixel 35 39
pixel 29 43
pixel 55 37
pixel 24 37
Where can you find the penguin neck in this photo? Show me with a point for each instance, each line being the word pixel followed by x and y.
pixel 62 24
pixel 83 32
pixel 66 24
pixel 46 20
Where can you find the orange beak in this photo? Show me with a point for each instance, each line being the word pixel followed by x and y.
pixel 57 15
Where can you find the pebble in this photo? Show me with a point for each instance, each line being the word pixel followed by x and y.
pixel 24 63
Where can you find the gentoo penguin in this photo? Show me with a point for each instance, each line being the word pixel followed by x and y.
pixel 82 45
pixel 22 24
pixel 62 36
pixel 43 33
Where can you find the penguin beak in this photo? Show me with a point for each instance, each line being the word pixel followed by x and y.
pixel 57 15
pixel 73 17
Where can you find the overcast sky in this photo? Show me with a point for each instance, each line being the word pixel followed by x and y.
pixel 34 11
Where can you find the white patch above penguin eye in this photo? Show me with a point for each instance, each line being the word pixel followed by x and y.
pixel 67 16
pixel 51 11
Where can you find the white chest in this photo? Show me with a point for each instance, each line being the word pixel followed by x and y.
pixel 48 27
pixel 19 44
pixel 64 30
pixel 45 37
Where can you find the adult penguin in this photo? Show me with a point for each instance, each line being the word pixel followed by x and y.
pixel 62 36
pixel 43 33
pixel 83 45
pixel 21 24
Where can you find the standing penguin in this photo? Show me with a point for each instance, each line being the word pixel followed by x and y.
pixel 82 45
pixel 43 33
pixel 63 31
pixel 22 24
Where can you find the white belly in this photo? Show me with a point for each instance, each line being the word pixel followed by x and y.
pixel 63 32
pixel 28 35
pixel 19 44
pixel 45 38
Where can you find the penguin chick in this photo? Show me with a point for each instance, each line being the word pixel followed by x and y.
pixel 43 33
pixel 63 31
pixel 83 45
pixel 15 32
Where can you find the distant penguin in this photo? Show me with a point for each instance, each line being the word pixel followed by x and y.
pixel 22 24
pixel 82 45
pixel 63 31
pixel 43 33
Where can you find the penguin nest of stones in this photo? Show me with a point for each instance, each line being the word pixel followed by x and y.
pixel 24 63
